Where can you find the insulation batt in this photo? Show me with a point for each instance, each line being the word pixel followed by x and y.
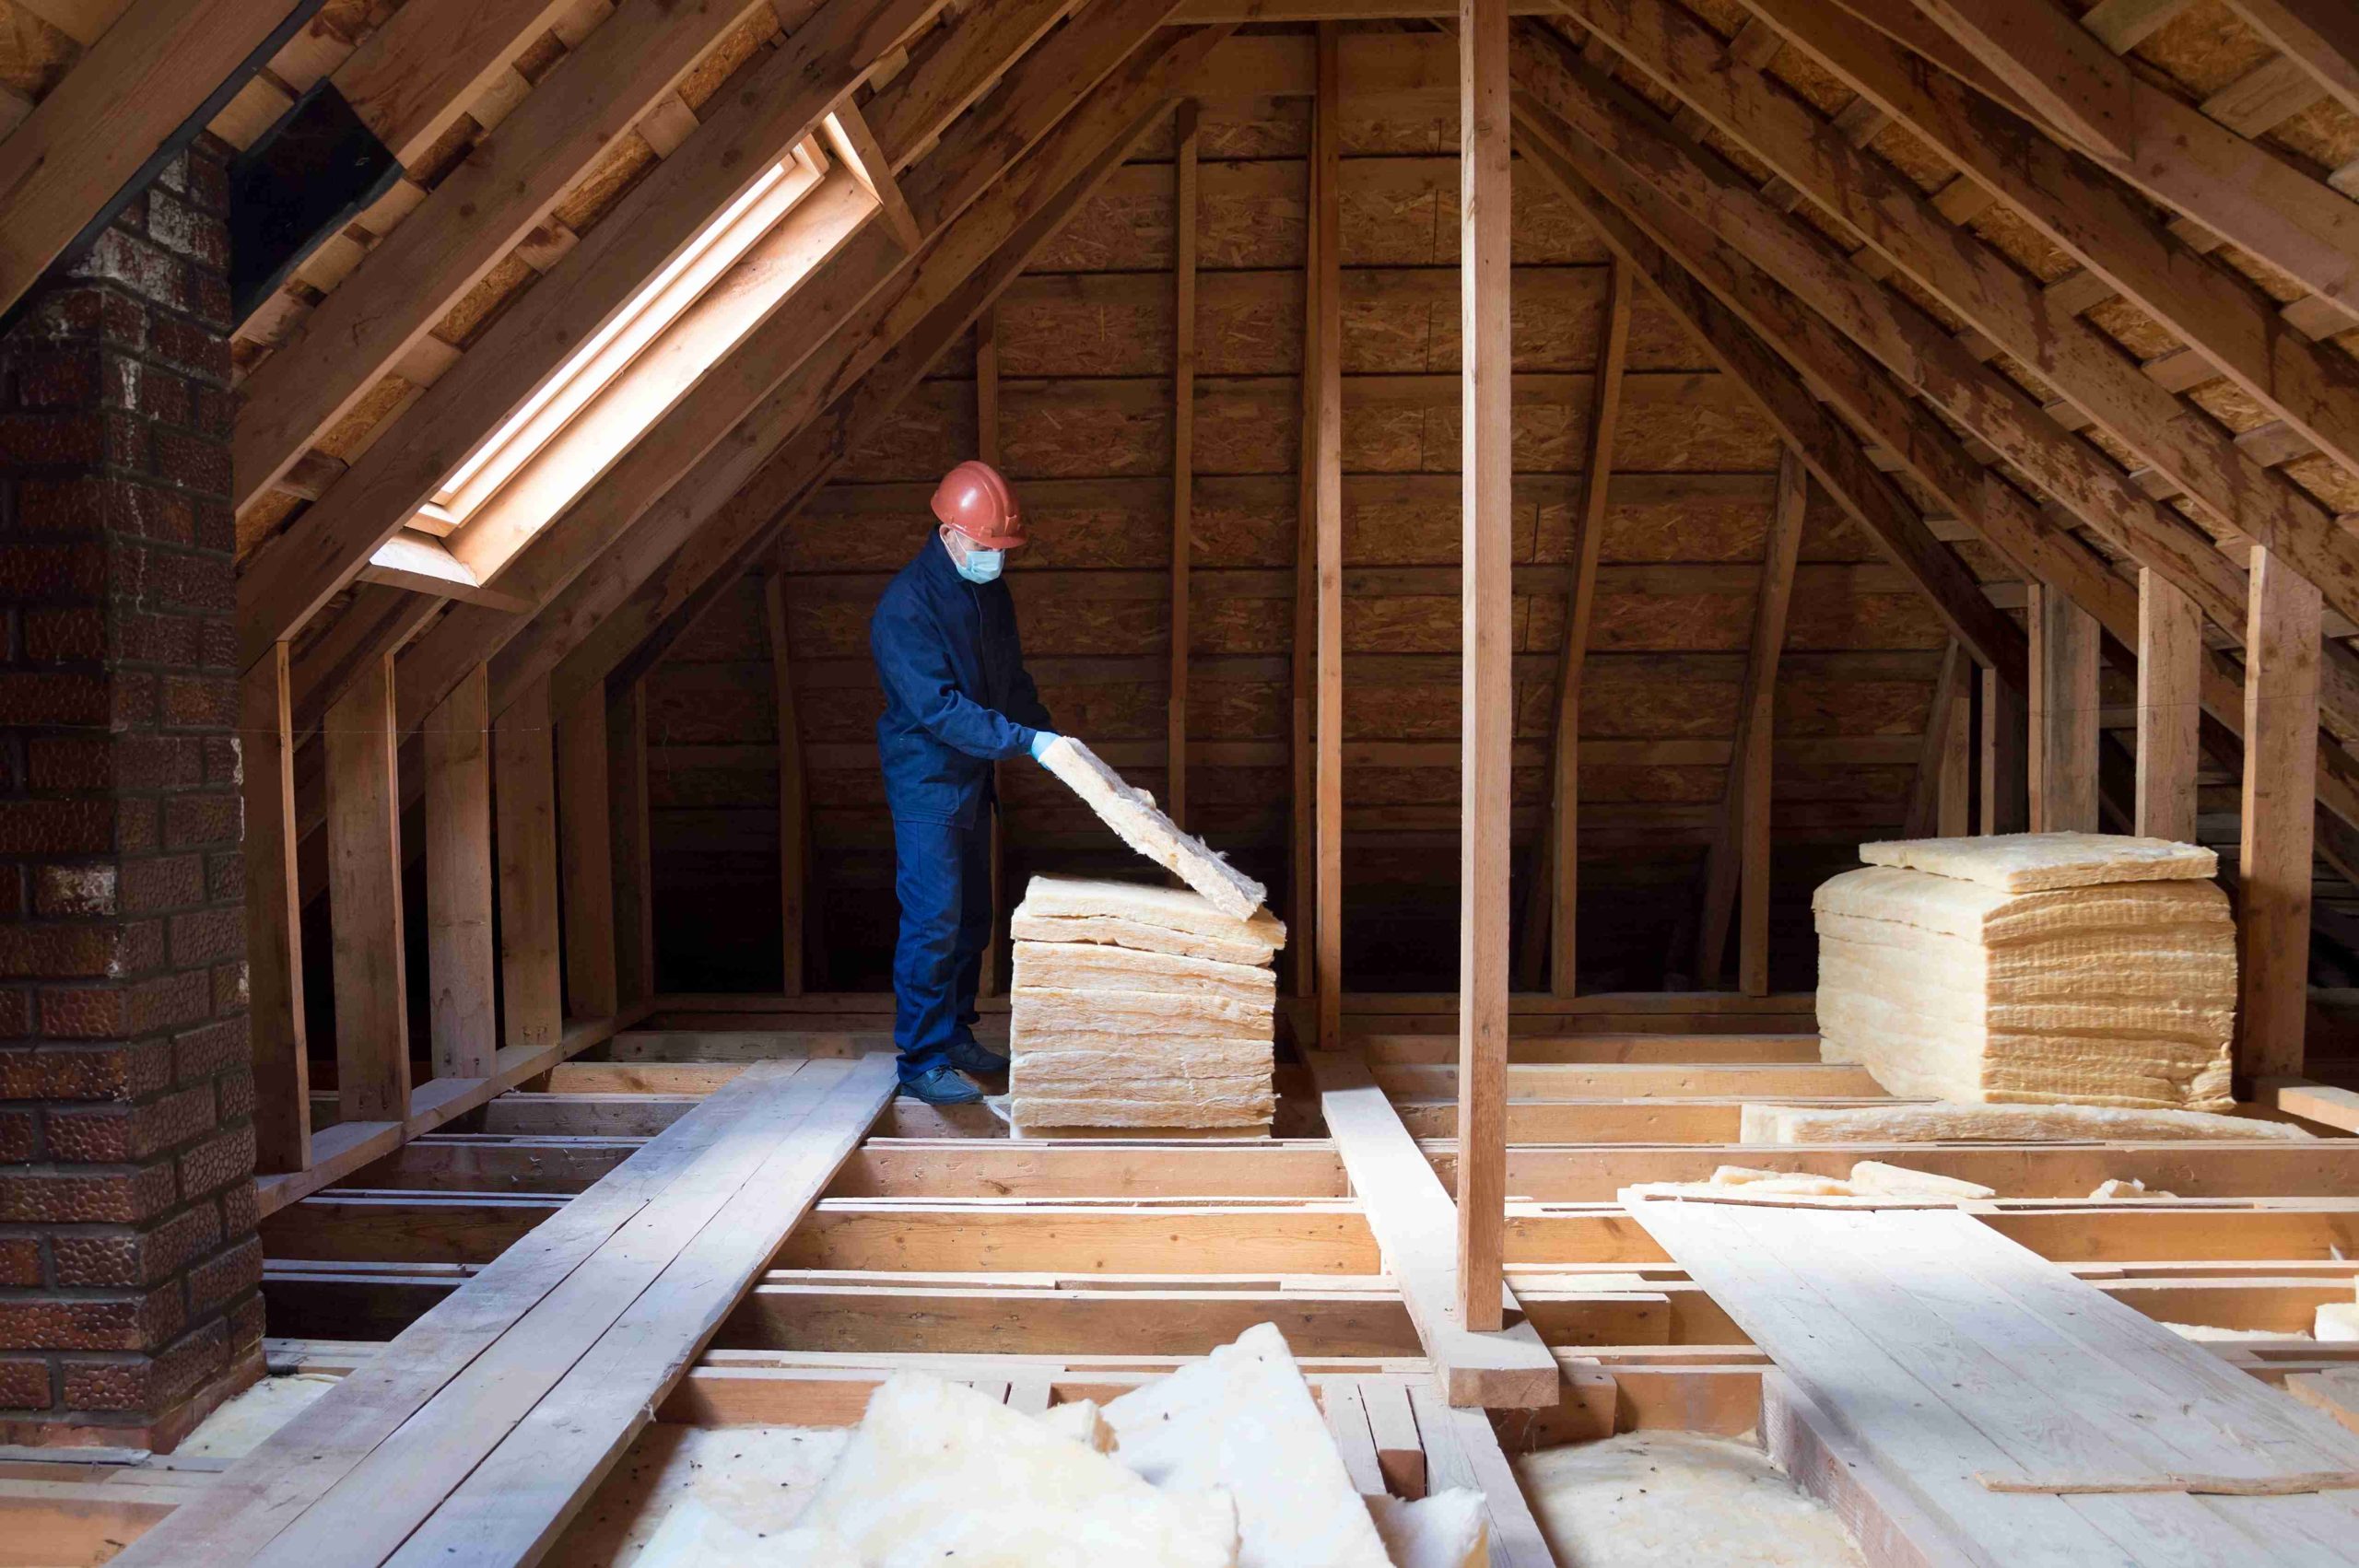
pixel 2008 969
pixel 1140 823
pixel 1996 1124
pixel 1145 1031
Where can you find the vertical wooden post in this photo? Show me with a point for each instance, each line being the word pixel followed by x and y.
pixel 1183 453
pixel 2004 806
pixel 2170 711
pixel 365 899
pixel 987 444
pixel 586 859
pixel 2284 618
pixel 2063 729
pixel 794 811
pixel 274 921
pixel 1951 814
pixel 1302 901
pixel 1329 720
pixel 459 958
pixel 1564 863
pixel 634 877
pixel 1926 797
pixel 525 787
pixel 1739 855
pixel 1487 721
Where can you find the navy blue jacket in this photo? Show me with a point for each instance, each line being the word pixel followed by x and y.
pixel 956 697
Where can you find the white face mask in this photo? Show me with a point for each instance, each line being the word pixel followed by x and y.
pixel 981 564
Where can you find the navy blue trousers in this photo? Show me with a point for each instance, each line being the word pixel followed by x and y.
pixel 942 878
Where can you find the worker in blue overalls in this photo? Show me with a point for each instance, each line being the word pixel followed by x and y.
pixel 957 700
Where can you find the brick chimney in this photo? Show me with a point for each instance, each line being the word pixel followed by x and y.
pixel 129 1264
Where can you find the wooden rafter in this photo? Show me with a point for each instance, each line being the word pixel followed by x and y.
pixel 1740 850
pixel 287 580
pixel 2321 36
pixel 1833 454
pixel 2171 150
pixel 140 83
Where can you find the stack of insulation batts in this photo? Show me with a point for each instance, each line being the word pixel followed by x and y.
pixel 2077 968
pixel 1140 1006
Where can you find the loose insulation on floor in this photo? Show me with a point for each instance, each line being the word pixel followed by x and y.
pixel 1139 1007
pixel 2069 967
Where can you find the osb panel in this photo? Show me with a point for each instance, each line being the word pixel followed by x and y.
pixel 2203 48
pixel 1247 520
pixel 838 713
pixel 1129 712
pixel 34 56
pixel 609 180
pixel 2140 333
pixel 1433 709
pixel 1913 157
pixel 1667 622
pixel 1431 786
pixel 851 527
pixel 1243 625
pixel 1630 698
pixel 1417 519
pixel 710 789
pixel 735 47
pixel 1830 534
pixel 1669 424
pixel 1666 786
pixel 1820 781
pixel 1862 620
pixel 349 436
pixel 827 629
pixel 2331 483
pixel 1403 212
pixel 932 429
pixel 2025 246
pixel 1702 527
pixel 2231 405
pixel 2325 136
pixel 1245 710
pixel 699 713
pixel 269 513
pixel 1056 620
pixel 481 305
pixel 1824 90
pixel 735 630
pixel 1058 428
pixel 1822 706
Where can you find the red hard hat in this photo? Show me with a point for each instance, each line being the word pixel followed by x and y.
pixel 975 501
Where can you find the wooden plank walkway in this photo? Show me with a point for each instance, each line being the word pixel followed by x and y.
pixel 1946 1354
pixel 1415 1225
pixel 484 1426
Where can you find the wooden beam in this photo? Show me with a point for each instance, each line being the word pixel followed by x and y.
pixel 286 581
pixel 364 902
pixel 2062 756
pixel 1488 616
pixel 136 87
pixel 274 921
pixel 2006 804
pixel 2170 709
pixel 414 76
pixel 532 1008
pixel 586 858
pixel 1561 913
pixel 793 808
pixel 1910 230
pixel 873 167
pixel 1183 453
pixel 1327 461
pixel 2321 36
pixel 2274 859
pixel 1739 852
pixel 1928 793
pixel 2112 230
pixel 631 847
pixel 460 958
pixel 2242 192
pixel 1505 1366
pixel 1832 455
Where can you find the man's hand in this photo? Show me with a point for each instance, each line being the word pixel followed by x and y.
pixel 1042 741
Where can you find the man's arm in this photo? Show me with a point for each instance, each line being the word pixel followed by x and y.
pixel 916 669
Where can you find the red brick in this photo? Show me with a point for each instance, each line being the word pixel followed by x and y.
pixel 19 1137
pixel 165 396
pixel 229 988
pixel 15 1012
pixel 142 639
pixel 61 698
pixel 225 877
pixel 201 819
pixel 150 511
pixel 211 936
pixel 149 1384
pixel 112 1071
pixel 200 701
pixel 189 580
pixel 145 269
pixel 246 1323
pixel 240 1208
pixel 236 1091
pixel 75 891
pixel 159 762
pixel 201 465
pixel 116 1321
pixel 191 349
pixel 169 1002
pixel 133 1260
pixel 215 1282
pixel 121 1134
pixel 97 1198
pixel 55 637
pixel 141 949
pixel 69 379
pixel 93 1012
pixel 56 827
pixel 69 762
pixel 24 1383
pixel 63 506
pixel 32 440
pixel 161 882
pixel 53 571
pixel 201 1053
pixel 217 1162
pixel 20 1261
pixel 59 952
pixel 222 763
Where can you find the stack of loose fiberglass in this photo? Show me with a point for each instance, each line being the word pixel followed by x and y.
pixel 2069 967
pixel 1138 1006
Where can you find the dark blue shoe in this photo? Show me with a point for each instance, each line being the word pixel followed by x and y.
pixel 972 1057
pixel 941 1086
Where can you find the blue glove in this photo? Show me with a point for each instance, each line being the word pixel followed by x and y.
pixel 1042 741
